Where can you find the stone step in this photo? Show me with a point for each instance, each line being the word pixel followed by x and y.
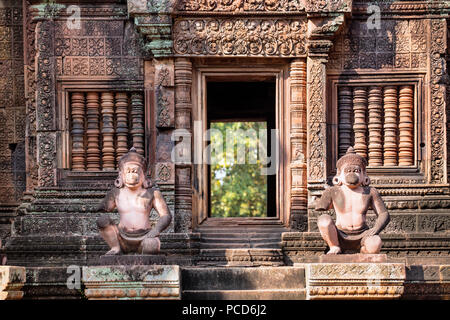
pixel 235 237
pixel 274 245
pixel 249 257
pixel 243 283
pixel 271 294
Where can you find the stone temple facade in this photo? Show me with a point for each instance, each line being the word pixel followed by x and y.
pixel 83 81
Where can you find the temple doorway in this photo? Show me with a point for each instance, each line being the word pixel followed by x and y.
pixel 240 120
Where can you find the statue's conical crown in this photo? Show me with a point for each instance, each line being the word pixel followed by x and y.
pixel 133 156
pixel 351 157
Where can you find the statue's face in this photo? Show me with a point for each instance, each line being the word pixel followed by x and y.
pixel 352 176
pixel 132 175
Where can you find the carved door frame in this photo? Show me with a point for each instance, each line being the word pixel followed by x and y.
pixel 201 73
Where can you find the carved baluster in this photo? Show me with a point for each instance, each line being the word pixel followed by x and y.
pixel 121 124
pixel 375 127
pixel 390 126
pixel 406 126
pixel 360 124
pixel 78 151
pixel 93 131
pixel 137 114
pixel 345 119
pixel 108 130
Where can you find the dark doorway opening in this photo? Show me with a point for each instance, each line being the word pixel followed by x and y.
pixel 237 113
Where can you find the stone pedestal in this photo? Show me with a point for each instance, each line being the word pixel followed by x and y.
pixel 355 280
pixel 142 282
pixel 12 280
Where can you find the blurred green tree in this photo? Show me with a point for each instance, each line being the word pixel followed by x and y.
pixel 238 189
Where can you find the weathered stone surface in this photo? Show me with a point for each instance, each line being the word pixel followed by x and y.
pixel 355 280
pixel 274 283
pixel 12 279
pixel 353 258
pixel 132 259
pixel 52 283
pixel 149 282
pixel 427 282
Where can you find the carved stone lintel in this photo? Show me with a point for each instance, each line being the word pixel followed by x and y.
pixel 240 37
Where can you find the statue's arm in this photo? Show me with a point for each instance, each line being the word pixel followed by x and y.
pixel 380 210
pixel 164 214
pixel 325 202
pixel 108 203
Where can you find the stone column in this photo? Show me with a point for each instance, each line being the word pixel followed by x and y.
pixel 298 136
pixel 183 111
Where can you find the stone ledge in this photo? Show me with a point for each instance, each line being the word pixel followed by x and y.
pixel 356 281
pixel 142 282
pixel 12 279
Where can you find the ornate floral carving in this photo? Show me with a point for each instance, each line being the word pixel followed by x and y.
pixel 240 37
pixel 241 5
pixel 437 114
pixel 316 125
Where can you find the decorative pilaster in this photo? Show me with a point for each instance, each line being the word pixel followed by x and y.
pixel 298 135
pixel 406 126
pixel 438 71
pixel 345 110
pixel 390 126
pixel 375 126
pixel 320 34
pixel 121 125
pixel 78 115
pixel 45 104
pixel 93 132
pixel 108 130
pixel 183 110
pixel 137 115
pixel 360 124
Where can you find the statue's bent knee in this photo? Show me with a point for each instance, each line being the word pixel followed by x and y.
pixel 104 221
pixel 150 245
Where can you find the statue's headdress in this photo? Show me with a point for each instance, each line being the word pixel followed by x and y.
pixel 132 157
pixel 351 157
